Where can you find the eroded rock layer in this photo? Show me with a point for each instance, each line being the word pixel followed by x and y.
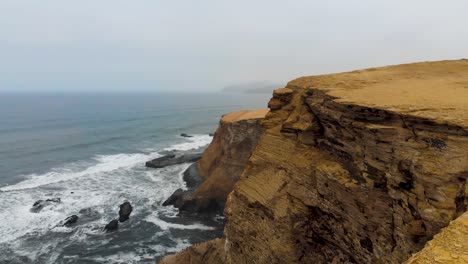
pixel 224 160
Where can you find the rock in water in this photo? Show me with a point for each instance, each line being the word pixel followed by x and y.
pixel 125 211
pixel 173 159
pixel 54 200
pixel 69 220
pixel 112 225
pixel 192 177
pixel 175 198
pixel 40 204
pixel 185 135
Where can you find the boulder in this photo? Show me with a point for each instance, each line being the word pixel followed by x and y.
pixel 175 198
pixel 112 226
pixel 125 211
pixel 185 135
pixel 54 200
pixel 69 221
pixel 40 204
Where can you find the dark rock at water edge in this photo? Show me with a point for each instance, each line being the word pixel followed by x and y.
pixel 184 201
pixel 40 204
pixel 192 180
pixel 192 177
pixel 54 200
pixel 69 221
pixel 112 225
pixel 173 159
pixel 125 211
pixel 185 135
pixel 175 199
pixel 191 205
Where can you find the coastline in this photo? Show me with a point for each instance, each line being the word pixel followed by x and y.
pixel 93 158
pixel 340 177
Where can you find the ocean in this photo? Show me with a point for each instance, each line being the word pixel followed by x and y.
pixel 90 150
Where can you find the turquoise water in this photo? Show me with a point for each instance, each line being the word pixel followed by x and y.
pixel 90 150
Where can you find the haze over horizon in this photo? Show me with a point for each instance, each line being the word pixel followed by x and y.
pixel 123 46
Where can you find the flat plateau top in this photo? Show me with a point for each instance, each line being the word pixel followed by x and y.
pixel 244 115
pixel 432 90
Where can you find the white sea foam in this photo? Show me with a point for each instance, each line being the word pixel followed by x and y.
pixel 194 142
pixel 166 225
pixel 100 186
pixel 105 163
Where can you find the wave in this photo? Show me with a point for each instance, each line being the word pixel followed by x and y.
pixel 105 163
pixel 102 164
pixel 194 142
pixel 166 225
pixel 93 190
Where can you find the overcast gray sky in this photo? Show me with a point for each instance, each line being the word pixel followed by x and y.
pixel 151 45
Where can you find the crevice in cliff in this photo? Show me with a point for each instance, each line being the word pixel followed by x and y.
pixel 367 244
pixel 407 126
pixel 405 170
pixel 320 237
pixel 460 202
pixel 333 146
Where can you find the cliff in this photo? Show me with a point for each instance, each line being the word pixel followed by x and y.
pixel 223 161
pixel 358 167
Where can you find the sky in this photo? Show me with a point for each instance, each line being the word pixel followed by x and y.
pixel 205 45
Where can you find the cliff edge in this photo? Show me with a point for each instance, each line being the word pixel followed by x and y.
pixel 358 167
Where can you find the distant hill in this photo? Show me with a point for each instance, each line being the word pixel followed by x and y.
pixel 253 87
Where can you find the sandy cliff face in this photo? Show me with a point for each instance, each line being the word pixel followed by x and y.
pixel 359 167
pixel 225 159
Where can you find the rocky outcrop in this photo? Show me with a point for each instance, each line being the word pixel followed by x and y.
pixel 173 159
pixel 125 210
pixel 358 167
pixel 41 204
pixel 449 246
pixel 112 225
pixel 221 164
pixel 69 221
